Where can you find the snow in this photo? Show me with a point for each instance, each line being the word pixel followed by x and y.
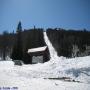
pixel 35 77
pixel 41 84
pixel 52 51
pixel 48 76
pixel 6 64
pixel 37 49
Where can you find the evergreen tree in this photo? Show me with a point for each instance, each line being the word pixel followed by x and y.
pixel 17 53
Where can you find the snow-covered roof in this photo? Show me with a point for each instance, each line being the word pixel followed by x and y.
pixel 37 49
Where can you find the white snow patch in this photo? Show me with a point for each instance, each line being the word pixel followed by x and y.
pixel 6 64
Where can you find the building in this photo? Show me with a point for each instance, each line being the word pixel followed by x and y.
pixel 39 54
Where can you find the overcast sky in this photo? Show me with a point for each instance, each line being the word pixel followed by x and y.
pixel 68 14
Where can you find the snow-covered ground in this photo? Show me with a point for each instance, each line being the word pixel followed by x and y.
pixel 35 77
pixel 59 73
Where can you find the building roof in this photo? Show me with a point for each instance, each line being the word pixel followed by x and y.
pixel 37 49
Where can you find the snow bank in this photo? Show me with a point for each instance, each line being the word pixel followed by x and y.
pixel 6 64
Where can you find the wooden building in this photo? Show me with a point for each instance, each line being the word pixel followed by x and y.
pixel 39 54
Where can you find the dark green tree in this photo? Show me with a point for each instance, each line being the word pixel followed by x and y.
pixel 17 53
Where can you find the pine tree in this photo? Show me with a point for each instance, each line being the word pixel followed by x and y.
pixel 17 53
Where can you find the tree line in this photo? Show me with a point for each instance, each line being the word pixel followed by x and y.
pixel 63 40
pixel 17 44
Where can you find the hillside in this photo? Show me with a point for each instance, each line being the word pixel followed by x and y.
pixel 58 73
pixel 66 42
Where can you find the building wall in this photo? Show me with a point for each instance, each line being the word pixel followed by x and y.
pixel 40 57
pixel 37 59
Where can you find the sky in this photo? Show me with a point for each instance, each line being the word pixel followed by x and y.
pixel 67 14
